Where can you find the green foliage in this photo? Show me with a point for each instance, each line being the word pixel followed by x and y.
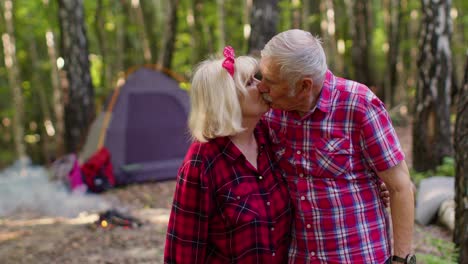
pixel 448 252
pixel 430 259
pixel 95 69
pixel 447 168
pixel 285 15
pixel 442 251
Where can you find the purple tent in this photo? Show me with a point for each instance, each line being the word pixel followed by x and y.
pixel 145 130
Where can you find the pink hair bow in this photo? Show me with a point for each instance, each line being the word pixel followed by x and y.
pixel 228 62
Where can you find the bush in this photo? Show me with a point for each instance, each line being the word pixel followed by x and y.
pixel 447 168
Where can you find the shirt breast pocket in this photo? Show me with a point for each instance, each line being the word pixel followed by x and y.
pixel 239 204
pixel 332 157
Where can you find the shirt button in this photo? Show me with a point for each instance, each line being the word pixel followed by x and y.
pixel 273 254
pixel 302 198
pixel 298 152
pixel 260 177
pixel 268 203
pixel 312 254
pixel 301 175
pixel 308 226
pixel 272 229
pixel 238 197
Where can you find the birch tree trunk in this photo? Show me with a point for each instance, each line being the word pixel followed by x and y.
pixel 169 36
pixel 264 20
pixel 142 31
pixel 11 63
pixel 431 128
pixel 328 28
pixel 58 103
pixel 79 111
pixel 461 175
pixel 58 96
pixel 152 26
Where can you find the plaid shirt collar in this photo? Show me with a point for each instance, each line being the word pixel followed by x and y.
pixel 324 100
pixel 227 147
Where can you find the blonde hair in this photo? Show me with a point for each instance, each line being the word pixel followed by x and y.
pixel 214 95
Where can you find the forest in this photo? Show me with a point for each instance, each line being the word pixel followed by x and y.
pixel 61 59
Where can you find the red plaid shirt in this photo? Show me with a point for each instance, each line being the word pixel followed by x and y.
pixel 226 211
pixel 330 157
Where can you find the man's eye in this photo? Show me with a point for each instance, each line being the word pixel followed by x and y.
pixel 258 76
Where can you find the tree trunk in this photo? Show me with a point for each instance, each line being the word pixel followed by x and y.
pixel 431 129
pixel 461 174
pixel 221 24
pixel 264 20
pixel 58 103
pixel 328 33
pixel 38 86
pixel 391 80
pixel 11 63
pixel 296 14
pixel 99 27
pixel 151 25
pixel 142 31
pixel 58 93
pixel 246 24
pixel 311 16
pixel 198 35
pixel 362 42
pixel 79 111
pixel 169 36
pixel 120 36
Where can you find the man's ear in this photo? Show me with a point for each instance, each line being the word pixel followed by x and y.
pixel 306 85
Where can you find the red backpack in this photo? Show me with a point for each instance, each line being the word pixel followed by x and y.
pixel 97 171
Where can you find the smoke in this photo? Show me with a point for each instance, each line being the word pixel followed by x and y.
pixel 26 189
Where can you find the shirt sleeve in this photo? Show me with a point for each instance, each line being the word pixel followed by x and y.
pixel 186 240
pixel 379 140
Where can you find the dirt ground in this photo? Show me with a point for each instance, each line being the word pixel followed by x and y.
pixel 29 239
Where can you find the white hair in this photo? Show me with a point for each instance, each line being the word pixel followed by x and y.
pixel 215 107
pixel 298 54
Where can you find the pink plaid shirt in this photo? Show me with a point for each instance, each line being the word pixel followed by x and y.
pixel 329 157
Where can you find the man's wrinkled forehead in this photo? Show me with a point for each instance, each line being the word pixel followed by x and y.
pixel 267 67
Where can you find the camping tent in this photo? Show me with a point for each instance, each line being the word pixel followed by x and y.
pixel 144 126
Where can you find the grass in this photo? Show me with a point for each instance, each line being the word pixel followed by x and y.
pixel 442 251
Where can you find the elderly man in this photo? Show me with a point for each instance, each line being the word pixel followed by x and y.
pixel 336 142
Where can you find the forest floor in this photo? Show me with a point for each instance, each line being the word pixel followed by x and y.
pixel 32 239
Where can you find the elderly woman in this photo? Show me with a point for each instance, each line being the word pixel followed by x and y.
pixel 230 204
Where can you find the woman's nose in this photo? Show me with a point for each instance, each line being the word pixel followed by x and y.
pixel 262 87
